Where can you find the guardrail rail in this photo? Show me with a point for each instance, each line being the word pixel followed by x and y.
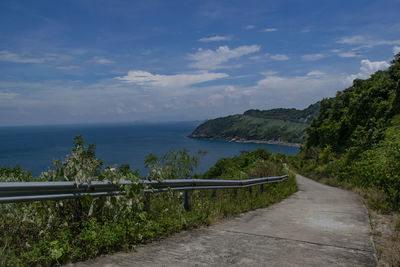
pixel 11 192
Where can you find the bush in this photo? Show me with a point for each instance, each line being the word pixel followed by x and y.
pixel 55 232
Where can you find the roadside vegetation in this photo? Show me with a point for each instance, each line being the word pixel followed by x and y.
pixel 355 143
pixel 44 233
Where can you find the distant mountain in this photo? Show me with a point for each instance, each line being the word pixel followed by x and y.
pixel 274 126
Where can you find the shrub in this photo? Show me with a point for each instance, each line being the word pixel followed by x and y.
pixel 55 232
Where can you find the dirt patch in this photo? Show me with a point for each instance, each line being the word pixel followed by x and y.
pixel 386 236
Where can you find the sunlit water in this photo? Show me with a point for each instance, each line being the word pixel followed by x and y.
pixel 35 147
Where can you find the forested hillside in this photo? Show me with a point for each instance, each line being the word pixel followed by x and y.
pixel 285 125
pixel 355 140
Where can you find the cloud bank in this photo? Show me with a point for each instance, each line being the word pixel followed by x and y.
pixel 212 59
pixel 215 38
pixel 145 78
pixel 142 95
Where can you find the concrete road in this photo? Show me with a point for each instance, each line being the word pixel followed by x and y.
pixel 317 226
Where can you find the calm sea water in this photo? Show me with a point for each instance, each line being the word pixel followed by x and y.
pixel 35 147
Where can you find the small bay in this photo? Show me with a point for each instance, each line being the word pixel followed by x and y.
pixel 35 147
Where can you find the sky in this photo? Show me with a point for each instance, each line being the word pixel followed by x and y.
pixel 67 62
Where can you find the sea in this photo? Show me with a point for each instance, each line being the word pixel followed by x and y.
pixel 35 147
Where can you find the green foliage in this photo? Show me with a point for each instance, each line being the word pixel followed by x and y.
pixel 15 174
pixel 287 125
pixel 55 232
pixel 294 115
pixel 326 155
pixel 355 140
pixel 258 163
pixel 81 166
pixel 172 165
pixel 52 232
pixel 357 116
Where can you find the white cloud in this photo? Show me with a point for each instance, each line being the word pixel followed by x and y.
pixel 230 89
pixel 347 54
pixel 8 56
pixel 297 91
pixel 313 57
pixel 68 67
pixel 116 100
pixel 12 57
pixel 396 50
pixel 357 39
pixel 341 53
pixel 260 57
pixel 386 42
pixel 141 95
pixel 101 60
pixel 145 78
pixel 365 42
pixel 249 27
pixel 8 96
pixel 216 38
pixel 215 99
pixel 367 68
pixel 300 91
pixel 69 102
pixel 316 73
pixel 210 59
pixel 148 51
pixel 267 56
pixel 270 30
pixel 269 72
pixel 257 57
pixel 279 57
pixel 306 30
pixel 298 84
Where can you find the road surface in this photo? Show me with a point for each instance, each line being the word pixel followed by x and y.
pixel 317 226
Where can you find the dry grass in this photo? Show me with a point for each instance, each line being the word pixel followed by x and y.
pixel 386 236
pixel 385 227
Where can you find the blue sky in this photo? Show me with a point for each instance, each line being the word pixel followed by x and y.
pixel 125 61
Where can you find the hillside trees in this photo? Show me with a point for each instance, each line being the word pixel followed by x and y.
pixel 355 140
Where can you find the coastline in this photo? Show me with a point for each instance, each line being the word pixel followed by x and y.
pixel 242 140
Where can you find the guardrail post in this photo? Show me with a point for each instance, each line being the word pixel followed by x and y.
pixel 147 199
pixel 186 198
pixel 250 190
pixel 262 188
pixel 214 192
pixel 235 193
pixel 78 209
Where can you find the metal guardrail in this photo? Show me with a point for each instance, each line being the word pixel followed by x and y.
pixel 11 192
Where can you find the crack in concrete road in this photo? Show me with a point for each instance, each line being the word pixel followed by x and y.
pixel 317 226
pixel 296 240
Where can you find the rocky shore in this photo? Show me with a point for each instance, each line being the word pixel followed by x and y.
pixel 242 140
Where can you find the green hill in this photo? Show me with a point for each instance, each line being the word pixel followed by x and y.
pixel 355 140
pixel 275 125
